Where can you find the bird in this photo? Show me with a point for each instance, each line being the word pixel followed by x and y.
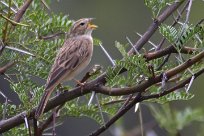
pixel 73 57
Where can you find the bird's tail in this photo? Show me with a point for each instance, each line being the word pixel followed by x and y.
pixel 43 102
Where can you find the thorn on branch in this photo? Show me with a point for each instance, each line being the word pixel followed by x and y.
pixel 132 46
pixel 164 80
pixel 19 50
pixel 151 43
pixel 107 54
pixel 190 84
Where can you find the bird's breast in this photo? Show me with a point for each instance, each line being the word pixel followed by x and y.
pixel 87 47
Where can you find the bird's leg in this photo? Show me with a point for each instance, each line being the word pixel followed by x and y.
pixel 60 87
pixel 79 83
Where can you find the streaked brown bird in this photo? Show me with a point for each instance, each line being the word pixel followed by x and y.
pixel 72 58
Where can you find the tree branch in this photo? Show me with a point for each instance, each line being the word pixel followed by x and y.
pixel 154 26
pixel 6 67
pixel 140 98
pixel 101 80
pixel 168 50
pixel 95 85
pixel 117 116
pixel 22 10
pixel 178 86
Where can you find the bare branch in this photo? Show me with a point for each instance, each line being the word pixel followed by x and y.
pixel 22 10
pixel 154 26
pixel 117 116
pixel 6 67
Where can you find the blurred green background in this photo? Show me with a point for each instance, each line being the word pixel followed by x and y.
pixel 116 20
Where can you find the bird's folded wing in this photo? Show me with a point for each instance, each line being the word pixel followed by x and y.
pixel 70 56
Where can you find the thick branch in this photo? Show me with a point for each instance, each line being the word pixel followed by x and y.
pixel 154 26
pixel 168 50
pixel 22 10
pixel 178 86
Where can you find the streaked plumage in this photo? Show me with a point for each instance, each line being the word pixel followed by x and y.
pixel 71 59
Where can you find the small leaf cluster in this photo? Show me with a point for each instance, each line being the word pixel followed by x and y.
pixel 92 111
pixel 182 35
pixel 173 96
pixel 157 5
pixel 134 65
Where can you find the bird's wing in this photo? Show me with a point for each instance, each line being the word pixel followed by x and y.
pixel 70 56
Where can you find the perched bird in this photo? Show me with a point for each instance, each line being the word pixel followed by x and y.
pixel 72 58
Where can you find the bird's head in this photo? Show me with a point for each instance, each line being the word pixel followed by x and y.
pixel 82 27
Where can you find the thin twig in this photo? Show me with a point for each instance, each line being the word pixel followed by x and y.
pixel 6 67
pixel 154 26
pixel 51 36
pixel 187 17
pixel 12 21
pixel 117 116
pixel 22 10
pixel 173 24
pixel 175 87
pixel 126 102
pixel 164 61
pixel 49 120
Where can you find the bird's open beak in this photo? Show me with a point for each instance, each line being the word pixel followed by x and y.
pixel 92 26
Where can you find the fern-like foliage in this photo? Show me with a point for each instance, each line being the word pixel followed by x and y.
pixel 180 37
pixel 135 66
pixel 92 111
pixel 157 5
pixel 174 96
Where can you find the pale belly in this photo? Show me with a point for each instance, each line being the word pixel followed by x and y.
pixel 71 75
pixel 79 69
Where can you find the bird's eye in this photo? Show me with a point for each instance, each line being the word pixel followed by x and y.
pixel 81 24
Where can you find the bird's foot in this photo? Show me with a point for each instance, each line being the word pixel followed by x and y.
pixel 79 83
